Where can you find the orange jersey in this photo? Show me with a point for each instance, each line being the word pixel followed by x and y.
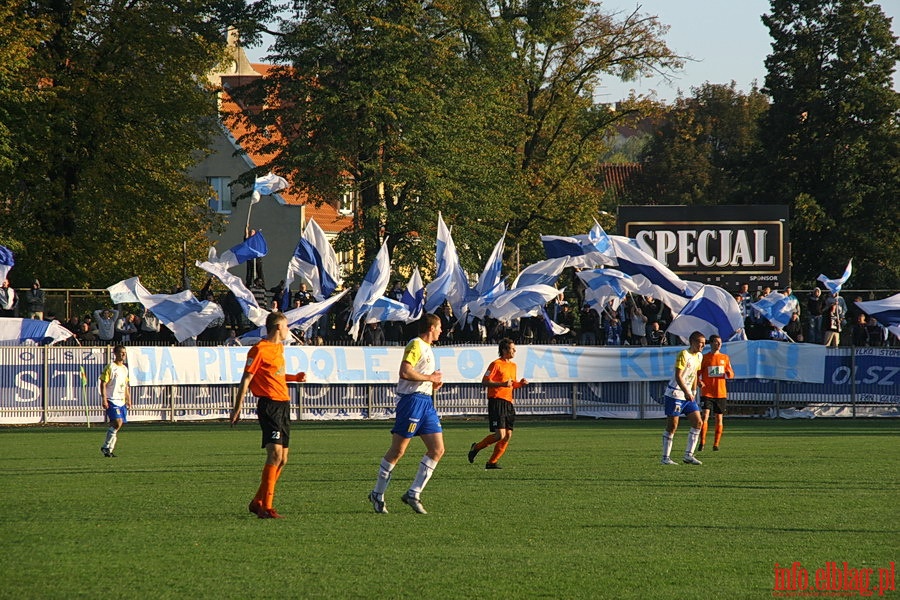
pixel 498 371
pixel 266 362
pixel 714 369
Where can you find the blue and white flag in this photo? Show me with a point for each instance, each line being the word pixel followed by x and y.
pixel 253 247
pixel 450 282
pixel 587 250
pixel 250 307
pixel 124 292
pixel 491 276
pixel 776 308
pixel 603 285
pixel 301 318
pixel 6 262
pixel 182 313
pixel 414 295
pixel 268 184
pixel 315 260
pixel 885 311
pixel 545 272
pixel 651 276
pixel 553 328
pixel 371 289
pixel 712 310
pixel 521 302
pixel 408 309
pixel 835 285
pixel 18 332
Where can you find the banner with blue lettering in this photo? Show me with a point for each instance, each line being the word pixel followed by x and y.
pixel 467 364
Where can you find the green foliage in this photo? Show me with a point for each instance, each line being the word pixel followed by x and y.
pixel 831 139
pixel 590 512
pixel 483 111
pixel 111 114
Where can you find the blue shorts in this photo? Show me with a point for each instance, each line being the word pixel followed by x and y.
pixel 416 416
pixel 676 408
pixel 117 412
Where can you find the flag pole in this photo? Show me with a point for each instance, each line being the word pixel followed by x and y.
pixel 83 377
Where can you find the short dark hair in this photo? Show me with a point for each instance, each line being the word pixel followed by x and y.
pixel 427 321
pixel 504 346
pixel 714 337
pixel 696 335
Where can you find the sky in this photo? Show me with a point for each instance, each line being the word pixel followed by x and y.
pixel 725 38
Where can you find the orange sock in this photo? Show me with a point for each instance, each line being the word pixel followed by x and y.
pixel 499 449
pixel 266 492
pixel 703 432
pixel 719 430
pixel 490 439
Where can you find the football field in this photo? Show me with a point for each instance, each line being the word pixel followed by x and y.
pixel 581 509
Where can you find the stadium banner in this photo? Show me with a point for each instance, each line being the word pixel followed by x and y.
pixel 22 374
pixel 719 245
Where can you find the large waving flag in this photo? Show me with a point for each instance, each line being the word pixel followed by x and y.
pixel 408 309
pixel 491 277
pixel 371 289
pixel 651 276
pixel 835 285
pixel 414 295
pixel 253 247
pixel 16 332
pixel 6 262
pixel 886 312
pixel 545 272
pixel 315 260
pixel 521 302
pixel 553 328
pixel 712 310
pixel 603 285
pixel 450 282
pixel 587 250
pixel 182 313
pixel 268 184
pixel 298 318
pixel 776 308
pixel 245 297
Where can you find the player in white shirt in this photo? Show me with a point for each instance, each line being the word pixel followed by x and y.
pixel 115 396
pixel 681 399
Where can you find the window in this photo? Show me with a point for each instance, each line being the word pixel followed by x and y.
pixel 220 201
pixel 347 203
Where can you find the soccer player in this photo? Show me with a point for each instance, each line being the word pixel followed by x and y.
pixel 681 393
pixel 416 416
pixel 115 397
pixel 264 376
pixel 714 369
pixel 500 381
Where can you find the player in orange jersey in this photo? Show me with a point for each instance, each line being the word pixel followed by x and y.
pixel 264 376
pixel 500 381
pixel 714 369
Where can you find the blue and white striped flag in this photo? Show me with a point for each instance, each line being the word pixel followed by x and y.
pixel 408 309
pixel 588 250
pixel 254 246
pixel 255 313
pixel 316 261
pixel 885 311
pixel 414 295
pixel 18 332
pixel 553 328
pixel 544 272
pixel 712 310
pixel 521 302
pixel 301 318
pixel 371 289
pixel 603 285
pixel 651 276
pixel 776 308
pixel 835 285
pixel 6 262
pixel 450 282
pixel 267 184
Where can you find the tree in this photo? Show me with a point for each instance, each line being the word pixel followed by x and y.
pixel 485 111
pixel 111 113
pixel 831 139
pixel 704 149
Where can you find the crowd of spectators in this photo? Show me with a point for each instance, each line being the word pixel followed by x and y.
pixel 821 318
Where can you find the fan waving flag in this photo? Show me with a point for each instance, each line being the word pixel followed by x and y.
pixel 268 184
pixel 835 285
pixel 6 262
pixel 371 288
pixel 886 312
pixel 253 247
pixel 776 308
pixel 712 310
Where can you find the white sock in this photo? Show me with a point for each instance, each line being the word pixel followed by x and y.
pixel 667 443
pixel 693 437
pixel 426 468
pixel 384 477
pixel 110 442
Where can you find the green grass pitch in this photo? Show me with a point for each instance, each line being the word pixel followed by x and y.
pixel 581 509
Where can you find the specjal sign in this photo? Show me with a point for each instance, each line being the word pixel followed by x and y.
pixel 720 245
